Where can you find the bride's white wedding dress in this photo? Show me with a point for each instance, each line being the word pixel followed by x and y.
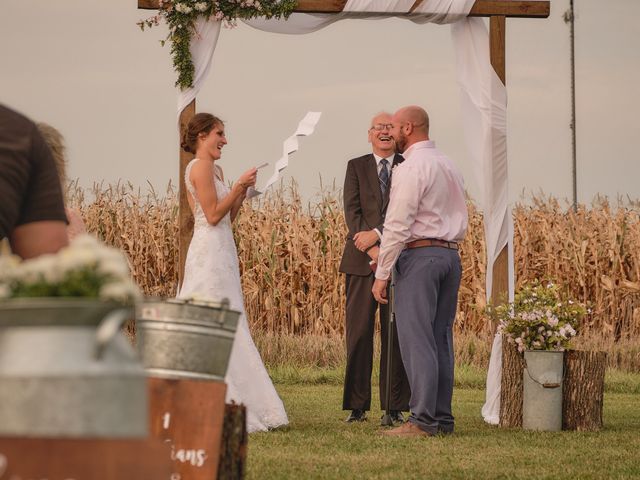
pixel 212 270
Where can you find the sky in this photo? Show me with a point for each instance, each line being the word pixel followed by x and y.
pixel 86 68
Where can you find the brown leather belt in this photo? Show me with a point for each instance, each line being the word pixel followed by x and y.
pixel 432 242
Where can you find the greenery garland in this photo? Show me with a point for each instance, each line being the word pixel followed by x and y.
pixel 181 16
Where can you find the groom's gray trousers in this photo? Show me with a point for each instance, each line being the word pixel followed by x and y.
pixel 426 295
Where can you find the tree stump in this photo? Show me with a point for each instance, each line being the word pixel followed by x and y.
pixel 233 451
pixel 511 389
pixel 583 390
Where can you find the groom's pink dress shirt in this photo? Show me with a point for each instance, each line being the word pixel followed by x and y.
pixel 427 200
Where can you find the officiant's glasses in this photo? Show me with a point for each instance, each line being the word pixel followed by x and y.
pixel 378 127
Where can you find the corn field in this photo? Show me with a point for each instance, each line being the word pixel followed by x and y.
pixel 290 252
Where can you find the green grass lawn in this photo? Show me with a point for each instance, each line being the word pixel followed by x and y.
pixel 319 444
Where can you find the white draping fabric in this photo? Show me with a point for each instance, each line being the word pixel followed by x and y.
pixel 443 11
pixel 297 24
pixel 202 47
pixel 484 107
pixel 381 6
pixel 483 99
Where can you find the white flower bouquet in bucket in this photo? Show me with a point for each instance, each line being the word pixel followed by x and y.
pixel 66 367
pixel 540 318
pixel 86 268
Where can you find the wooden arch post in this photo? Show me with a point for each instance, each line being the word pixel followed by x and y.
pixel 497 39
pixel 185 218
pixel 496 10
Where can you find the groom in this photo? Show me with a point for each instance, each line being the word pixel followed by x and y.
pixel 366 195
pixel 426 220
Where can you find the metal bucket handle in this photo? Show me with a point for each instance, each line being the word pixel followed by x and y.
pixel 107 330
pixel 224 307
pixel 546 384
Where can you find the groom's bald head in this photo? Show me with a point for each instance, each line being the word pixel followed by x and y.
pixel 410 125
pixel 415 115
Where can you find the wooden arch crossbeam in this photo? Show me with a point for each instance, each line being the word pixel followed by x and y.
pixel 496 10
pixel 482 8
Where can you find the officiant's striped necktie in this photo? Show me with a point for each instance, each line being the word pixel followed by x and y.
pixel 383 176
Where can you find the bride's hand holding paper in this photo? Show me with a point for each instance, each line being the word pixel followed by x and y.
pixel 251 191
pixel 247 179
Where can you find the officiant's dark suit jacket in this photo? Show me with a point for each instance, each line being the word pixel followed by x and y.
pixel 364 209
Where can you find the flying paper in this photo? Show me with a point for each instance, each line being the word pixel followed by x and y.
pixel 306 127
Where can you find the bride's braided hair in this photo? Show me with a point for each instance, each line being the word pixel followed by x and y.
pixel 200 123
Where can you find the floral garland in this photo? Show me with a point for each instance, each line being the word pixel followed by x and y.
pixel 181 16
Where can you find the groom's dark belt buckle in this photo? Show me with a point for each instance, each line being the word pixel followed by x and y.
pixel 432 242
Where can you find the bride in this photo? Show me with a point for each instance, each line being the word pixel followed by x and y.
pixel 212 269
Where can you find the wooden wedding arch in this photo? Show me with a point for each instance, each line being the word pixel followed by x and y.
pixel 497 11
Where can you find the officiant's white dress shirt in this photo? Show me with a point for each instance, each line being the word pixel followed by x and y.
pixel 427 201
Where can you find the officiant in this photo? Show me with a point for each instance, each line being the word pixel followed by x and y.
pixel 366 195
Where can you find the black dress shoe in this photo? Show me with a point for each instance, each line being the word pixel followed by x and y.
pixel 445 430
pixel 396 416
pixel 357 415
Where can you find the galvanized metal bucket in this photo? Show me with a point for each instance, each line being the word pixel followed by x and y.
pixel 186 338
pixel 542 402
pixel 67 370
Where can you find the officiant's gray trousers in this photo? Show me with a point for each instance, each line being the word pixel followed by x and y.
pixel 426 295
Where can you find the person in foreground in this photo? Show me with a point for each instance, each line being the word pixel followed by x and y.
pixel 212 268
pixel 32 212
pixel 425 221
pixel 366 195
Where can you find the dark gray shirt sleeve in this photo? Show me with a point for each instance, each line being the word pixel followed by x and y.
pixel 30 189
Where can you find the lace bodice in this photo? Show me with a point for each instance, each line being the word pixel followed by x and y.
pixel 221 191
pixel 212 246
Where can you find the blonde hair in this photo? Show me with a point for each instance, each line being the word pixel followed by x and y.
pixel 55 141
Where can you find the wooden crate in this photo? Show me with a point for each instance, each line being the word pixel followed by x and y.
pixel 188 415
pixel 83 459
